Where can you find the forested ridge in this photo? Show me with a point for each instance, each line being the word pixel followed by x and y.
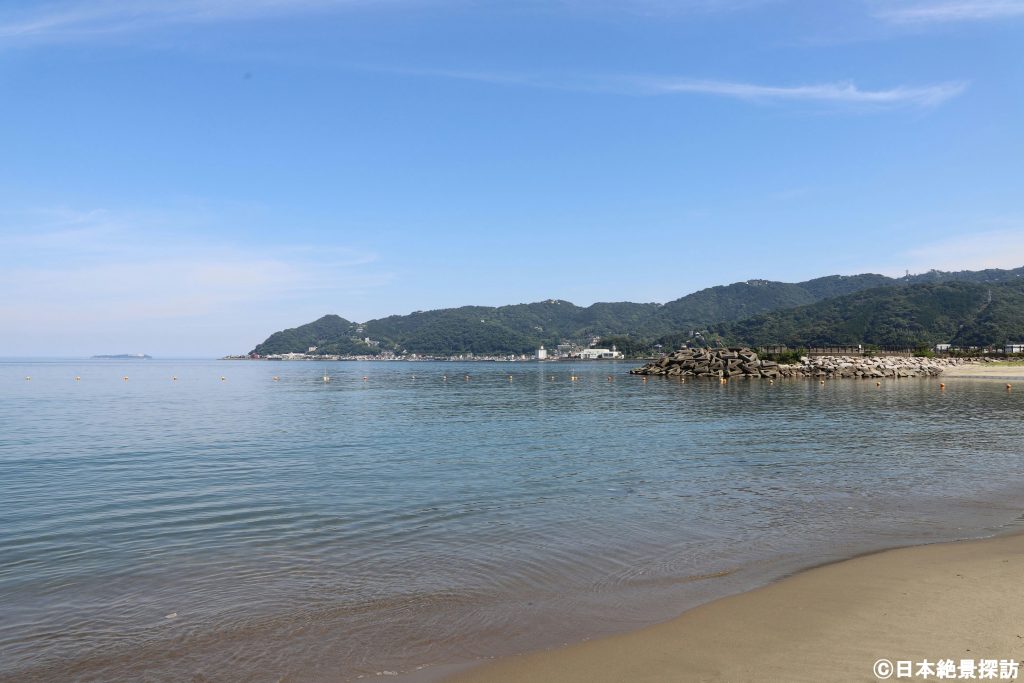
pixel 968 308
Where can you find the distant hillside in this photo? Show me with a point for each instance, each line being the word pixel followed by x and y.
pixel 744 299
pixel 331 334
pixel 989 276
pixel 520 328
pixel 965 313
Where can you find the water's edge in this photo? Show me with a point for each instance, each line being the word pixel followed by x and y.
pixel 447 671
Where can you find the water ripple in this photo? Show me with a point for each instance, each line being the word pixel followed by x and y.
pixel 292 530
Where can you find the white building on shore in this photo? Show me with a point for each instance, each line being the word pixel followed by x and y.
pixel 542 353
pixel 600 354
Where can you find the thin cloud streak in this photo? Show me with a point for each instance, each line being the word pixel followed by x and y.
pixel 666 7
pixel 839 93
pixel 949 12
pixel 83 19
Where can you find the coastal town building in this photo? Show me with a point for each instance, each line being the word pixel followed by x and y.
pixel 600 354
pixel 542 353
pixel 564 350
pixel 1014 348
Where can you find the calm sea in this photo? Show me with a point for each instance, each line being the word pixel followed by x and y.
pixel 247 529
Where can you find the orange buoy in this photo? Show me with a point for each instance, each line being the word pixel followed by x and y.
pixel 1009 386
pixel 77 378
pixel 878 384
pixel 126 378
pixel 942 386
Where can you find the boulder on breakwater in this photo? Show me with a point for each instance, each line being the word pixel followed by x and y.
pixel 743 362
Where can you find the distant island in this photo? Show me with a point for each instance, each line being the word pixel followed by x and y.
pixel 934 310
pixel 123 356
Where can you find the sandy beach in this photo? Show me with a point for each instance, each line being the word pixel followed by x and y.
pixel 987 371
pixel 953 601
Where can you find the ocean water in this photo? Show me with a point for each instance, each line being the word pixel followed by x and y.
pixel 247 529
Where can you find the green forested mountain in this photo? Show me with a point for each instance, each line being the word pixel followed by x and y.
pixel 744 299
pixel 518 328
pixel 330 334
pixel 837 309
pixel 988 276
pixel 964 313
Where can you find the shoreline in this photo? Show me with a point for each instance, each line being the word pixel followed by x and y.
pixel 940 600
pixel 950 600
pixel 980 613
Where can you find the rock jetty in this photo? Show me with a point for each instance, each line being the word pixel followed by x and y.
pixel 730 363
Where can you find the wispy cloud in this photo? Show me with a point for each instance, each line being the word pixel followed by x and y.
pixel 841 93
pixel 949 11
pixel 666 7
pixel 837 93
pixel 1003 248
pixel 998 244
pixel 69 20
pixel 64 270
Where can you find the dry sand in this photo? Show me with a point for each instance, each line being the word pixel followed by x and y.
pixel 986 371
pixel 954 601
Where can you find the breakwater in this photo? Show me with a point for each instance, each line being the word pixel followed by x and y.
pixel 729 363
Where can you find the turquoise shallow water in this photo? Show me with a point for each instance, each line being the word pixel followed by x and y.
pixel 259 530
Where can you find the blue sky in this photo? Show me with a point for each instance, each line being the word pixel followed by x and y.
pixel 183 178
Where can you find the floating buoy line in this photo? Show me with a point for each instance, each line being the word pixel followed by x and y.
pixel 573 377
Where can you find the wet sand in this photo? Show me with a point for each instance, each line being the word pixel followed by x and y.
pixel 955 601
